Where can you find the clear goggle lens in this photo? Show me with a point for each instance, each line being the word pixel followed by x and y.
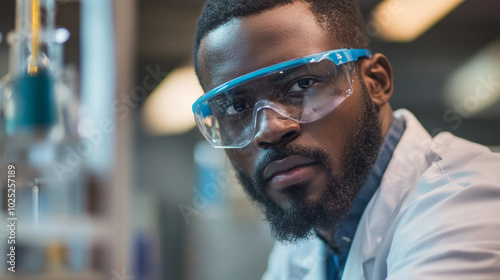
pixel 303 93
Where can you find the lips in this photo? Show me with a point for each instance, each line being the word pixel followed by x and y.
pixel 289 171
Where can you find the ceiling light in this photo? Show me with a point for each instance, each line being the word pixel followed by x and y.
pixel 167 110
pixel 475 87
pixel 406 20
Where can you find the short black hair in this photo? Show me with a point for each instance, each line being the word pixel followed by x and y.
pixel 340 17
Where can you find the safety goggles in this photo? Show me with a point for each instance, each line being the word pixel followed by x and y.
pixel 303 89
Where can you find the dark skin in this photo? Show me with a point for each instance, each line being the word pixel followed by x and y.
pixel 283 33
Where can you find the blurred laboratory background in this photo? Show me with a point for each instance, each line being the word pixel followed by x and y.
pixel 113 180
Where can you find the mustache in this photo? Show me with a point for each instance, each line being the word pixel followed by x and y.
pixel 292 150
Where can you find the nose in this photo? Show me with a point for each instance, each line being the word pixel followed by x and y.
pixel 274 129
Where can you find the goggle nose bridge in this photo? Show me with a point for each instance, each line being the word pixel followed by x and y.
pixel 269 105
pixel 266 104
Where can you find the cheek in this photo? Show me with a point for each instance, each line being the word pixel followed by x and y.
pixel 243 159
pixel 332 131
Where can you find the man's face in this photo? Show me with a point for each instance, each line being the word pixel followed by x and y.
pixel 303 176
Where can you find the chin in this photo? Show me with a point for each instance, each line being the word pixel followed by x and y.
pixel 308 194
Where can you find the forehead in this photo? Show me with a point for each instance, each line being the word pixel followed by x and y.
pixel 246 44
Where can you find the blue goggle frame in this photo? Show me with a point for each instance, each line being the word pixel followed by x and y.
pixel 339 56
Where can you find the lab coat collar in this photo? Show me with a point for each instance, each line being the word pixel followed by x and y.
pixel 408 162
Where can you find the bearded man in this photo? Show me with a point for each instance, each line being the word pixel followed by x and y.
pixel 350 188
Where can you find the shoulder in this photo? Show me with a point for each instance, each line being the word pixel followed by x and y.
pixel 459 154
pixel 457 167
pixel 449 223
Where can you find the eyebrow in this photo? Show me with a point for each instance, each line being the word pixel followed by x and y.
pixel 285 73
pixel 242 89
pixel 218 99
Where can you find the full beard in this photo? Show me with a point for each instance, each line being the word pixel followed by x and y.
pixel 296 222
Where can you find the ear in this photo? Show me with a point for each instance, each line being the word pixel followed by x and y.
pixel 377 75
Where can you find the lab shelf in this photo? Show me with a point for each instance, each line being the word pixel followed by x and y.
pixel 56 276
pixel 84 224
pixel 61 228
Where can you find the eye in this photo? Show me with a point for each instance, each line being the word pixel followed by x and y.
pixel 301 85
pixel 236 107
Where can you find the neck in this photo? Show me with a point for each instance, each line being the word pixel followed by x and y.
pixel 327 236
pixel 385 116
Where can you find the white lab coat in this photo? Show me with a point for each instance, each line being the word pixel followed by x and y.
pixel 436 215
